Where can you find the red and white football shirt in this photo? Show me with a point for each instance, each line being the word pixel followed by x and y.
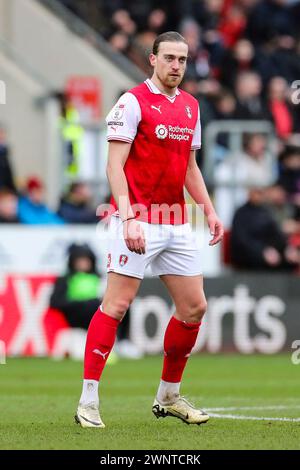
pixel 162 130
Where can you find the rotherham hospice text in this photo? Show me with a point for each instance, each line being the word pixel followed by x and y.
pixel 179 133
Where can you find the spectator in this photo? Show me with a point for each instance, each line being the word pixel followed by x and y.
pixel 225 105
pixel 119 41
pixel 142 44
pixel 285 58
pixel 209 13
pixel 157 20
pixel 279 107
pixel 248 89
pixel 32 208
pixel 8 207
pixel 257 242
pixel 77 293
pixel 76 205
pixel 239 171
pixel 72 134
pixel 233 22
pixel 123 22
pixel 198 64
pixel 289 177
pixel 239 59
pixel 6 175
pixel 77 296
pixel 225 109
pixel 282 210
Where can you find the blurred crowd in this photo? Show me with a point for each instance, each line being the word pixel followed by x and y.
pixel 244 64
pixel 25 203
pixel 244 55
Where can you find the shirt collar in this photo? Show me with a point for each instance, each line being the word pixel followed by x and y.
pixel 153 88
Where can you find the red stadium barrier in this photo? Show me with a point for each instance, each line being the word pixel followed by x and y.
pixel 27 326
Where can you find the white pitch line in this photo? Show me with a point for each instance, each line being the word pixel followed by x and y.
pixel 254 418
pixel 234 408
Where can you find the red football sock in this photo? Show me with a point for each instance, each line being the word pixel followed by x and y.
pixel 180 338
pixel 99 342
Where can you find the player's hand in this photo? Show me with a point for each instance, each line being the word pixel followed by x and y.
pixel 216 229
pixel 134 236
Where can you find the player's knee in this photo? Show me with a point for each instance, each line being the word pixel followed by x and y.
pixel 116 307
pixel 197 311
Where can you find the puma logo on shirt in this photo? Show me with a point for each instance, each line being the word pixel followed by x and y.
pixel 157 108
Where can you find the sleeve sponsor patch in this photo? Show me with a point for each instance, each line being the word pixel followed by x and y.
pixel 118 112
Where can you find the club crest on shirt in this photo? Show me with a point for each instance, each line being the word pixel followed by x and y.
pixel 118 112
pixel 123 260
pixel 188 111
pixel 108 260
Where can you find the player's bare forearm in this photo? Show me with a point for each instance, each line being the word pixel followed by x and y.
pixel 119 189
pixel 117 156
pixel 134 236
pixel 196 187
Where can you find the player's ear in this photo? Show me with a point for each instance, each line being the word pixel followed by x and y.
pixel 152 59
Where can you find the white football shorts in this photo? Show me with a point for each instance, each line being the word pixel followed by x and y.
pixel 170 249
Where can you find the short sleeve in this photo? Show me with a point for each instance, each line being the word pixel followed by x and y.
pixel 196 142
pixel 123 120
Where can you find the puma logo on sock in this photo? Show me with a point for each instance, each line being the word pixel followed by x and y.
pixel 96 351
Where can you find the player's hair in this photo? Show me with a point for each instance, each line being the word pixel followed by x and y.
pixel 169 36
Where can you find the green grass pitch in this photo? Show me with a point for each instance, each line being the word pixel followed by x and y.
pixel 39 396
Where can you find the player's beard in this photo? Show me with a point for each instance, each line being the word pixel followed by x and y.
pixel 171 82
